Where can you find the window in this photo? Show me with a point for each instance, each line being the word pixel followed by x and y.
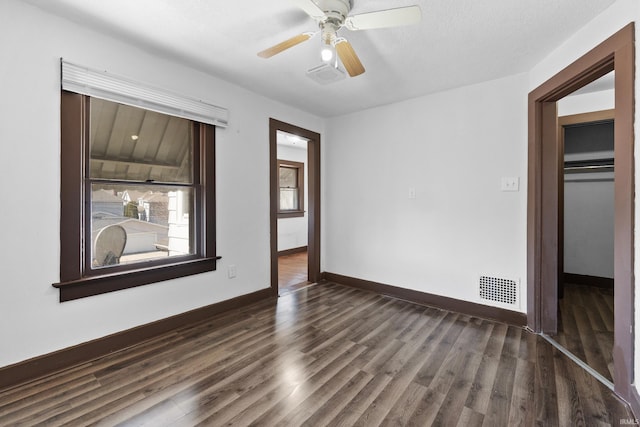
pixel 137 196
pixel 291 183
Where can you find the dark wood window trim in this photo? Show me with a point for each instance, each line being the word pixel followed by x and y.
pixel 300 168
pixel 75 281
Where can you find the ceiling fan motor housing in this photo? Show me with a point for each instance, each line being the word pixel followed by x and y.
pixel 335 10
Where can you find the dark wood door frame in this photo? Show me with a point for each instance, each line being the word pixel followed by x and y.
pixel 313 188
pixel 545 171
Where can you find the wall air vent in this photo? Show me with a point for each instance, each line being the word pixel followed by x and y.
pixel 499 290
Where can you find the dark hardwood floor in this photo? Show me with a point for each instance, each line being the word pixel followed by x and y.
pixel 325 355
pixel 292 272
pixel 585 326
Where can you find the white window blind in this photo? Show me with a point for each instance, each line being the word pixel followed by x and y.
pixel 101 84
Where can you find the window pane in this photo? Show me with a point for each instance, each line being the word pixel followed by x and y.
pixel 288 177
pixel 132 144
pixel 288 199
pixel 134 223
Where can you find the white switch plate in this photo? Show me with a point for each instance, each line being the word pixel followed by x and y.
pixel 412 192
pixel 510 183
pixel 231 271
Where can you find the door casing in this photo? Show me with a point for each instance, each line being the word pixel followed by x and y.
pixel 545 158
pixel 313 189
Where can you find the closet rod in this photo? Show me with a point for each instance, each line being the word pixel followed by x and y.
pixel 595 168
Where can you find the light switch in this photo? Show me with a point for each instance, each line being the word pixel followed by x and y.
pixel 510 183
pixel 412 192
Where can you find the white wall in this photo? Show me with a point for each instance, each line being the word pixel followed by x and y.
pixel 588 225
pixel 294 232
pixel 607 23
pixel 587 102
pixel 453 148
pixel 33 321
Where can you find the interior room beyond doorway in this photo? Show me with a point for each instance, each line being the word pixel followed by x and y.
pixel 293 220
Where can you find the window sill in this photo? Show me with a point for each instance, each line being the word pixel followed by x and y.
pixel 290 214
pixel 96 285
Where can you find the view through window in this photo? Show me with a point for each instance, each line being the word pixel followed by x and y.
pixel 141 179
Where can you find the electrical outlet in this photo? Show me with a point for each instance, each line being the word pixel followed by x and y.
pixel 231 271
pixel 510 183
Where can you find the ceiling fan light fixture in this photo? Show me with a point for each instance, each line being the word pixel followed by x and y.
pixel 328 53
pixel 328 50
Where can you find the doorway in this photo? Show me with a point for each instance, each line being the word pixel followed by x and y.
pixel 586 240
pixel 295 198
pixel 293 223
pixel 545 171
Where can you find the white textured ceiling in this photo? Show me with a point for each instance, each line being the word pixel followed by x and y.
pixel 458 42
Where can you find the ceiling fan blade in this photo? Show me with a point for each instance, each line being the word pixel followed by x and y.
pixel 311 9
pixel 273 50
pixel 384 18
pixel 349 58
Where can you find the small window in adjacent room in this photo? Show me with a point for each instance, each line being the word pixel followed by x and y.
pixel 291 183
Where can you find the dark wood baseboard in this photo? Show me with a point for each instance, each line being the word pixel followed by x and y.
pixel 292 251
pixel 581 279
pixel 47 364
pixel 452 304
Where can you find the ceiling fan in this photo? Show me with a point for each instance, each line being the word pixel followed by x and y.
pixel 333 15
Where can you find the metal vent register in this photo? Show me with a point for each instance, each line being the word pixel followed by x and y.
pixel 500 290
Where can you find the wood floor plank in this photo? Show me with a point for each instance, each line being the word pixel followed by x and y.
pixel 299 394
pixel 163 386
pixel 361 403
pixel 329 355
pixel 333 405
pixel 500 402
pixel 417 343
pixel 520 412
pixel 402 412
pixel 480 393
pixel 593 312
pixel 452 364
pixel 470 418
pixel 570 411
pixel 292 270
pixel 388 396
pixel 546 402
pixel 43 400
pixel 427 409
pixel 442 348
pixel 594 405
pixel 269 384
pixel 315 400
pixel 592 352
pixel 450 410
pixel 585 326
pixel 275 381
